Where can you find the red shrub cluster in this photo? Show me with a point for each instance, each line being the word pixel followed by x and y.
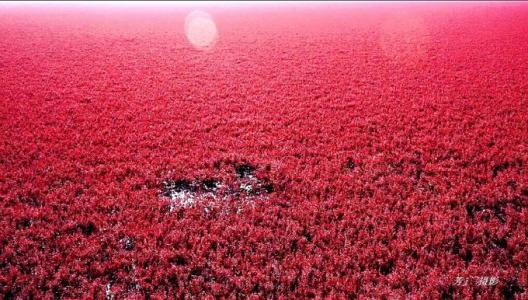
pixel 391 146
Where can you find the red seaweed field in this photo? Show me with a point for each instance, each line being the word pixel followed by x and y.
pixel 264 151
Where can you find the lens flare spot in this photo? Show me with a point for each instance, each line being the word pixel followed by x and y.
pixel 201 31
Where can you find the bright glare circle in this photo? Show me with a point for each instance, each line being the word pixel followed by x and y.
pixel 200 30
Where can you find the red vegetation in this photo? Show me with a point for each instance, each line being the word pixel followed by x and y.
pixel 392 140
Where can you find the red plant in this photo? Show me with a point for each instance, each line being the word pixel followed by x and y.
pixel 370 150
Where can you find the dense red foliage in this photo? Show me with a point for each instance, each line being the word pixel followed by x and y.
pixel 393 137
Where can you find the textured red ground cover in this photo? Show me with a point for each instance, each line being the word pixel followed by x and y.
pixel 394 136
